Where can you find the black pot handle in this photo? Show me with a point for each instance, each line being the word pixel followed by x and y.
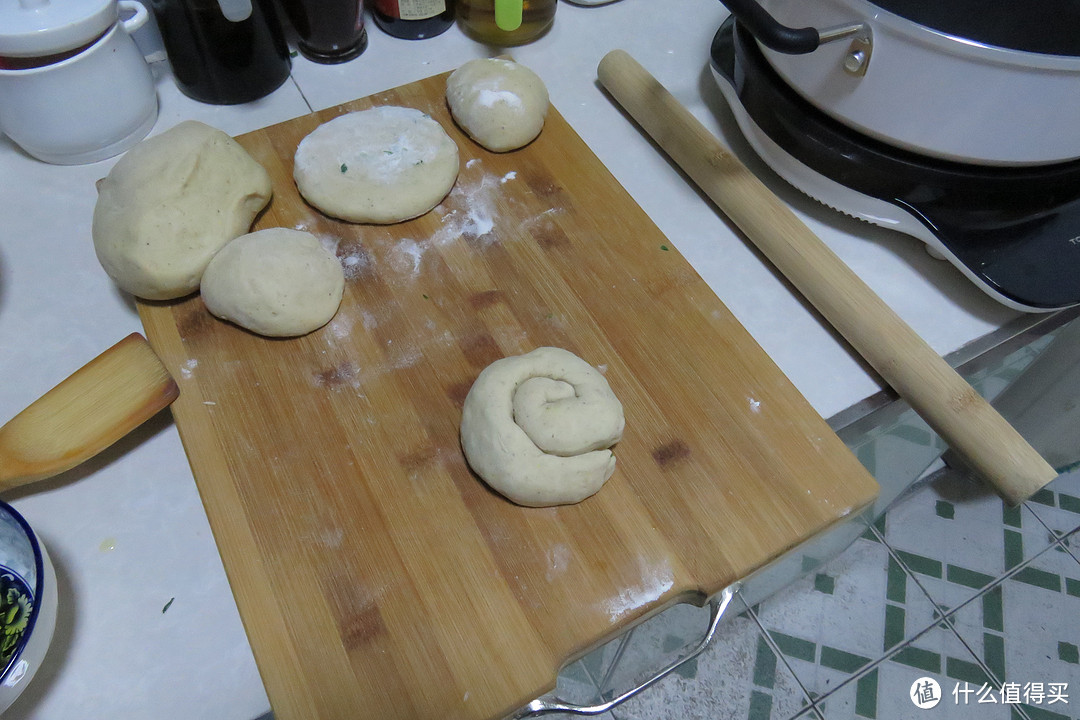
pixel 769 32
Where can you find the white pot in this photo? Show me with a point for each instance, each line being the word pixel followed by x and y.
pixel 87 107
pixel 937 95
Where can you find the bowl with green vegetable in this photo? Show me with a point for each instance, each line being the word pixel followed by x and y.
pixel 27 604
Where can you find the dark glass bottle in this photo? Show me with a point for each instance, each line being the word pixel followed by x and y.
pixel 414 19
pixel 328 31
pixel 222 61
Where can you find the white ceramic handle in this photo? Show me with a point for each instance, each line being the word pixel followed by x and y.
pixel 235 10
pixel 139 14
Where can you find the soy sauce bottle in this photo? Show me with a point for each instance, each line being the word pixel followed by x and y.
pixel 414 19
pixel 223 51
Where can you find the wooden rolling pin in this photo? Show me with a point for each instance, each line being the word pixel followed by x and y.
pixel 968 423
pixel 94 407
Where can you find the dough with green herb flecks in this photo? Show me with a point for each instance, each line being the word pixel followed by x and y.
pixel 382 165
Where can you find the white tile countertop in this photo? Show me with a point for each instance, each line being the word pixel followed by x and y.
pixel 147 625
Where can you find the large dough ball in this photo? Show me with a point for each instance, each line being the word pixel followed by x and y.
pixel 172 202
pixel 537 427
pixel 382 165
pixel 276 282
pixel 499 103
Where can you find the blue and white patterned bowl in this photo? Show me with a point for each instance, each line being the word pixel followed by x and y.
pixel 27 604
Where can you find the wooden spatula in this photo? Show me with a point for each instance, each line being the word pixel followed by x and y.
pixel 100 403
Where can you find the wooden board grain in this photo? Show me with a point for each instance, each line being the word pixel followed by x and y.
pixel 376 576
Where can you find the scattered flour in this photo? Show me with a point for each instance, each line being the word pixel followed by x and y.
pixel 328 241
pixel 655 582
pixel 405 256
pixel 345 374
pixel 543 218
pixel 341 326
pixel 468 211
pixel 354 264
pixel 188 368
pixel 558 559
pixel 401 358
pixel 490 97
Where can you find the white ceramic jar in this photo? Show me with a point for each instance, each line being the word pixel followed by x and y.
pixel 74 87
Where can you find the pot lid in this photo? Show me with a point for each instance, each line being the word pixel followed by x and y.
pixel 1048 27
pixel 34 28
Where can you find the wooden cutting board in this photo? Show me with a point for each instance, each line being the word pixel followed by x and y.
pixel 376 576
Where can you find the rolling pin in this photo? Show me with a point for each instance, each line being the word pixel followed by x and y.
pixel 952 408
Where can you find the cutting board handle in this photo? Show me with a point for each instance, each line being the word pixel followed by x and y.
pixel 968 423
pixel 718 606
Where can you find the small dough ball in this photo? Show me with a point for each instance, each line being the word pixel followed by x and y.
pixel 276 282
pixel 382 165
pixel 170 204
pixel 537 427
pixel 499 103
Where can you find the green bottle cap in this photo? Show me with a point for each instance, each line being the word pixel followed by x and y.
pixel 508 14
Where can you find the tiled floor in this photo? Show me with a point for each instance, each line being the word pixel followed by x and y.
pixel 949 584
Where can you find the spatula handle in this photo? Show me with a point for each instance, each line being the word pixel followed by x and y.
pixel 90 410
pixel 904 360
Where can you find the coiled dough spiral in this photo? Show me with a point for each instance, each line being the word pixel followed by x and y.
pixel 537 427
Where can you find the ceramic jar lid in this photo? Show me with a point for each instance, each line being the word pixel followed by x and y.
pixel 36 28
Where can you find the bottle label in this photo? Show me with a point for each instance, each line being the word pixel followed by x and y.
pixel 411 9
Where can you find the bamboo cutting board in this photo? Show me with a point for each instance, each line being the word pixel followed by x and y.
pixel 376 576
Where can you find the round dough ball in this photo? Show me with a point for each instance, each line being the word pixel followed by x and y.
pixel 382 165
pixel 170 203
pixel 276 282
pixel 499 103
pixel 537 427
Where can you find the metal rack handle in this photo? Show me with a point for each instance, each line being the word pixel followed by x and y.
pixel 718 604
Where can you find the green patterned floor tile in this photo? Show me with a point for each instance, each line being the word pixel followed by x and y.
pixel 953 555
pixel 809 713
pixel 1048 712
pixel 738 677
pixel 883 692
pixel 873 607
pixel 855 632
pixel 1059 507
pixel 1028 633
